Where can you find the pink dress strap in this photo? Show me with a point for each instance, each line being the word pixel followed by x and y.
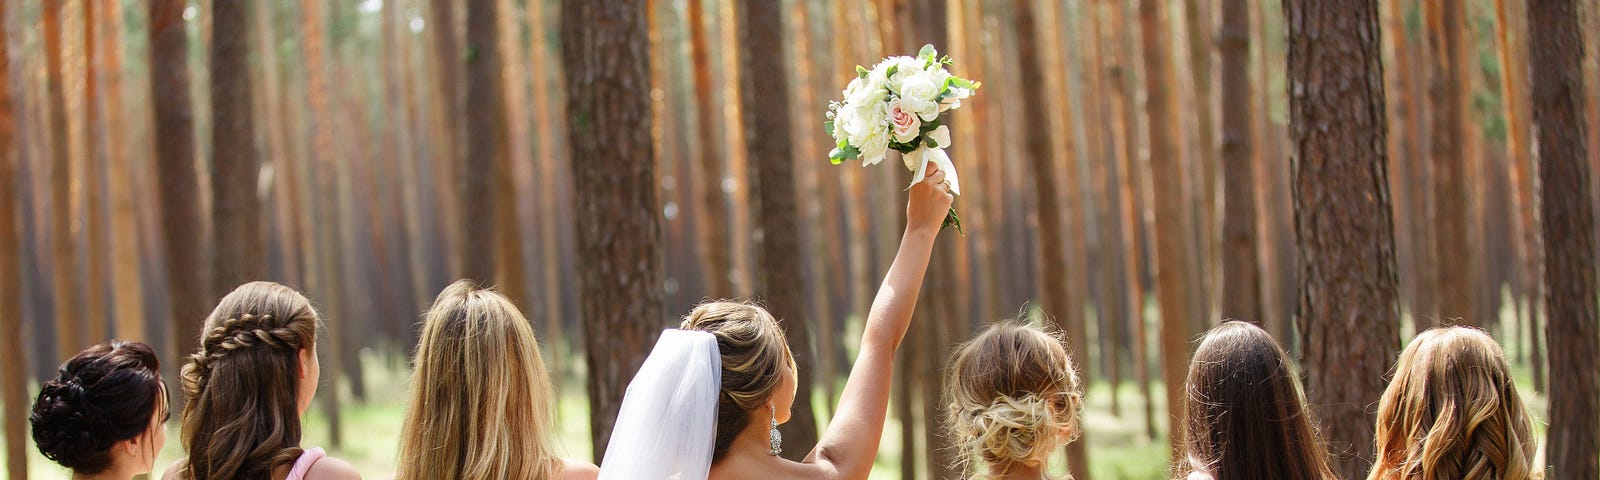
pixel 303 464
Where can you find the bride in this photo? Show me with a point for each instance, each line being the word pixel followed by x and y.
pixel 708 401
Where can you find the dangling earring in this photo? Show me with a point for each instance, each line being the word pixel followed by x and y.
pixel 774 437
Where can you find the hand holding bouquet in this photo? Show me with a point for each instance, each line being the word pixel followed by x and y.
pixel 896 105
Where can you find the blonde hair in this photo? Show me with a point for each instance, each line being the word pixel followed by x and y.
pixel 242 415
pixel 1453 412
pixel 754 353
pixel 481 401
pixel 1010 394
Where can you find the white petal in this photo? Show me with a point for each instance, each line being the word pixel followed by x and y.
pixel 937 156
pixel 940 136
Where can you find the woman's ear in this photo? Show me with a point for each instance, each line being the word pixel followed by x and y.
pixel 305 362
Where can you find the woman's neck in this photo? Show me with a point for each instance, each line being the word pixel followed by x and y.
pixel 1017 471
pixel 754 438
pixel 110 474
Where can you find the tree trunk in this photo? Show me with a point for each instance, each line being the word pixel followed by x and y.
pixel 1556 56
pixel 236 209
pixel 1133 187
pixel 604 50
pixel 13 365
pixel 187 262
pixel 1058 298
pixel 447 62
pixel 1349 300
pixel 1512 52
pixel 92 182
pixel 127 297
pixel 713 227
pixel 1174 291
pixel 1241 272
pixel 1207 251
pixel 1453 240
pixel 782 279
pixel 483 156
pixel 318 174
pixel 64 265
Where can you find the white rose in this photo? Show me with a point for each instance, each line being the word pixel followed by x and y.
pixel 905 67
pixel 865 121
pixel 905 124
pixel 917 95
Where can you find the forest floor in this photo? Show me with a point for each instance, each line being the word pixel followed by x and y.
pixel 1118 445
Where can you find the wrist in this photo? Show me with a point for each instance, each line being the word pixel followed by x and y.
pixel 924 231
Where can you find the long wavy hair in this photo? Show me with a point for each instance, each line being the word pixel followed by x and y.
pixel 241 418
pixel 754 353
pixel 1012 398
pixel 1453 412
pixel 1245 414
pixel 481 401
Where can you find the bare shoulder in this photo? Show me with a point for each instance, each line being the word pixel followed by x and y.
pixel 771 468
pixel 172 470
pixel 329 468
pixel 573 469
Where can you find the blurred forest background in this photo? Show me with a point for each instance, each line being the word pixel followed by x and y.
pixel 1127 170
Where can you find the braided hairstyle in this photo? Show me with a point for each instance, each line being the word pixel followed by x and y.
pixel 105 394
pixel 242 418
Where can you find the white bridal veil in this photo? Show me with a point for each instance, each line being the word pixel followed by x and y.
pixel 668 423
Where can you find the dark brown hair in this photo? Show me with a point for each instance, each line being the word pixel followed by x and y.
pixel 1245 416
pixel 754 353
pixel 242 416
pixel 101 396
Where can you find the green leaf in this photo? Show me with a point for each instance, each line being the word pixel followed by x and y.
pixel 828 127
pixel 840 154
pixel 861 72
pixel 892 70
pixel 927 51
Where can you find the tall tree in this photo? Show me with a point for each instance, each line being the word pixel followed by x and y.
pixel 1124 84
pixel 1208 254
pixel 447 58
pixel 1059 296
pixel 1453 240
pixel 1241 270
pixel 320 176
pixel 235 166
pixel 605 50
pixel 1556 56
pixel 782 277
pixel 713 227
pixel 1175 292
pixel 127 300
pixel 484 153
pixel 64 252
pixel 1512 51
pixel 13 368
pixel 1349 300
pixel 187 260
pixel 92 182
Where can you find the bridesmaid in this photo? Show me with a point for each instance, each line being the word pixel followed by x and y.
pixel 104 414
pixel 247 386
pixel 1014 399
pixel 1246 416
pixel 1453 412
pixel 481 401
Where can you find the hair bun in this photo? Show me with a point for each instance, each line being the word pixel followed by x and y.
pixel 1012 429
pixel 67 426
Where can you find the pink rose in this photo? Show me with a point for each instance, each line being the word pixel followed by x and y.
pixel 906 124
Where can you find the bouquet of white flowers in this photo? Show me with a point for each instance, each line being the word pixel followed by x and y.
pixel 896 105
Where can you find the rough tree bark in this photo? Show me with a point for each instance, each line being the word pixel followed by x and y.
pixel 1556 56
pixel 605 51
pixel 1349 300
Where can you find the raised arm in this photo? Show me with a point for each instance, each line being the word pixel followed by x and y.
pixel 851 441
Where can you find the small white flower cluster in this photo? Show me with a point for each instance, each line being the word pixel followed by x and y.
pixel 896 105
